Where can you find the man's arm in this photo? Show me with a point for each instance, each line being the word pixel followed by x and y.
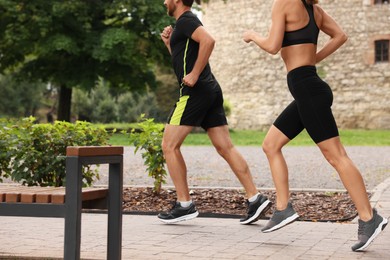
pixel 206 46
pixel 166 37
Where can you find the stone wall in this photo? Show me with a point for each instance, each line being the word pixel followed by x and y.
pixel 255 82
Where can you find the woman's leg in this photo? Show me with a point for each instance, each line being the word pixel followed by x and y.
pixel 336 155
pixel 272 146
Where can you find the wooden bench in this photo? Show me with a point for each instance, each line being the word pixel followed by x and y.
pixel 68 203
pixel 92 198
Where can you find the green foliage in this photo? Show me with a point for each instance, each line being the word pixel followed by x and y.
pixel 75 43
pixel 19 99
pixel 100 106
pixel 148 139
pixel 5 149
pixel 131 105
pixel 34 154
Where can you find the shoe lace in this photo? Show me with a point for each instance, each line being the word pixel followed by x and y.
pixel 173 205
pixel 247 206
pixel 361 229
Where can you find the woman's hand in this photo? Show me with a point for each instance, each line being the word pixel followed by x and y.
pixel 247 36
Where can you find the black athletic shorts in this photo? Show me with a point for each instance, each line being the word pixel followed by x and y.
pixel 311 108
pixel 201 105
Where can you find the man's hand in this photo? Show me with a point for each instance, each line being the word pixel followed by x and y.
pixel 166 35
pixel 190 79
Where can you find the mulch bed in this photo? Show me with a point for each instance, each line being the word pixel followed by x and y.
pixel 213 202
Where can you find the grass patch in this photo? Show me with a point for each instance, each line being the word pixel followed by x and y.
pixel 255 138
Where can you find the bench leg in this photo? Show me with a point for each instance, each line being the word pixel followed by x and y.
pixel 114 238
pixel 73 202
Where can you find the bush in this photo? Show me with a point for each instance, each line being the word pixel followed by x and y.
pixel 149 138
pixel 131 105
pixel 36 152
pixel 5 148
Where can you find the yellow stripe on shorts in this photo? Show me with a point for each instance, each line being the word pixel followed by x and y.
pixel 179 110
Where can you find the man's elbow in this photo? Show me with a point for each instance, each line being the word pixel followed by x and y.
pixel 211 42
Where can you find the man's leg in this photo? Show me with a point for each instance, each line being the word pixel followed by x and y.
pixel 220 138
pixel 173 138
pixel 257 204
pixel 184 208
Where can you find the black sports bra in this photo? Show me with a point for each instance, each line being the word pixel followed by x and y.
pixel 307 34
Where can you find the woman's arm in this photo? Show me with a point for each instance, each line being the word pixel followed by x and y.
pixel 337 36
pixel 273 42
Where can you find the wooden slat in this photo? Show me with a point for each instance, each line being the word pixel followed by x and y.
pixel 12 197
pixel 29 194
pixel 92 194
pixel 46 196
pixel 94 150
pixel 4 190
pixel 55 195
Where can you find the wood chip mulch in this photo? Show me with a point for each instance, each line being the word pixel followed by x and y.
pixel 213 202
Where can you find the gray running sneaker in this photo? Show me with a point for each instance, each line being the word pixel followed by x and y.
pixel 179 213
pixel 256 209
pixel 369 230
pixel 281 218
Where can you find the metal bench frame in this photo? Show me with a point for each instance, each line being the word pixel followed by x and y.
pixel 76 158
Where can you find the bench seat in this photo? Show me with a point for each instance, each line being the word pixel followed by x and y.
pixel 91 197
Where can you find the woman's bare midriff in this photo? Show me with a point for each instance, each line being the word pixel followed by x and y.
pixel 299 55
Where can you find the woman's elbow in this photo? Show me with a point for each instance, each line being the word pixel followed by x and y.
pixel 273 50
pixel 344 37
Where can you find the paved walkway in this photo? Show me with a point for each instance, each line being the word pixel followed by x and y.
pixel 144 237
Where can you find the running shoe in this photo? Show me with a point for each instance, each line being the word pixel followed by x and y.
pixel 179 213
pixel 369 230
pixel 281 218
pixel 255 209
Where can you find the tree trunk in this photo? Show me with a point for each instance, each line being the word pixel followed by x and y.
pixel 64 104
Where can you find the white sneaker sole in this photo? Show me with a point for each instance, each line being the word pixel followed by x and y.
pixel 257 214
pixel 183 218
pixel 285 222
pixel 378 230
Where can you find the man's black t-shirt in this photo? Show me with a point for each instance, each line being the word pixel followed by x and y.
pixel 184 55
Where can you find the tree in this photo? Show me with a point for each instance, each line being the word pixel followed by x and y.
pixel 20 99
pixel 75 43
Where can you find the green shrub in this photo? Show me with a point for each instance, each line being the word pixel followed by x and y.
pixel 38 151
pixel 5 149
pixel 149 138
pixel 131 105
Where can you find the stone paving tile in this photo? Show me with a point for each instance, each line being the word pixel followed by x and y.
pixel 144 237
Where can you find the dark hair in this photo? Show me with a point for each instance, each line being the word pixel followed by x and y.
pixel 312 2
pixel 190 2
